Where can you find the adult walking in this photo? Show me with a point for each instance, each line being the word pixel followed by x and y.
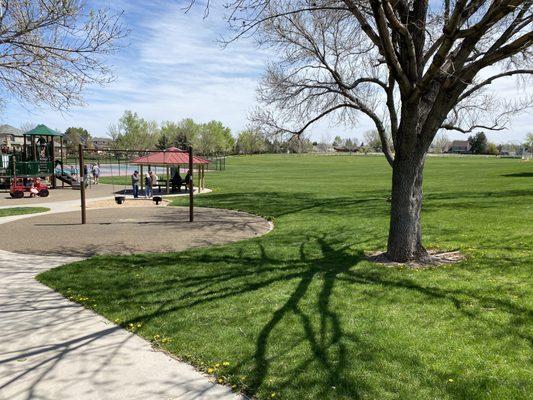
pixel 135 178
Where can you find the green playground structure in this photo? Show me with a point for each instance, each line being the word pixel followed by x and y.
pixel 36 158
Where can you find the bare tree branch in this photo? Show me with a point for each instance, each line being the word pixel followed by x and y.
pixel 51 50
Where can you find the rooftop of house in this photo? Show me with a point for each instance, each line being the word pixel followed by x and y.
pixel 460 143
pixel 10 130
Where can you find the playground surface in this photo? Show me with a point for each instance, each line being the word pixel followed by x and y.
pixel 129 230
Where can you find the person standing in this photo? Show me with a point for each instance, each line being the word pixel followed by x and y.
pixel 96 173
pixel 135 178
pixel 73 173
pixel 85 174
pixel 154 179
pixel 148 184
pixel 176 181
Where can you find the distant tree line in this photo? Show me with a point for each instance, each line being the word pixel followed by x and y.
pixel 479 144
pixel 212 138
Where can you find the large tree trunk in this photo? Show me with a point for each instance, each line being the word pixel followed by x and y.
pixel 405 235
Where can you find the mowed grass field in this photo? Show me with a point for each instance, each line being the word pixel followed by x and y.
pixel 300 314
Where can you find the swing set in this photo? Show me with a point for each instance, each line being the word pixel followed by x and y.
pixel 147 155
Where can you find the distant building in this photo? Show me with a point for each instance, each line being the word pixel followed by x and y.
pixel 459 147
pixel 345 149
pixel 11 137
pixel 102 143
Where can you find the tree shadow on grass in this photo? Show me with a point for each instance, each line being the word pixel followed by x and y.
pixel 279 204
pixel 519 175
pixel 336 262
pixel 175 284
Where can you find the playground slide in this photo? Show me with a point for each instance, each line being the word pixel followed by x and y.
pixel 67 178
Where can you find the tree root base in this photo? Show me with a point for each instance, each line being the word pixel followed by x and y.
pixel 435 258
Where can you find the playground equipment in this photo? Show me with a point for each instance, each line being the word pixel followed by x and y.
pixel 36 158
pixel 18 187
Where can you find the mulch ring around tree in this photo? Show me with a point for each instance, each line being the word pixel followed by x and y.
pixel 437 258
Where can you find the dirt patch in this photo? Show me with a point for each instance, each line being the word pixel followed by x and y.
pixel 128 203
pixel 436 258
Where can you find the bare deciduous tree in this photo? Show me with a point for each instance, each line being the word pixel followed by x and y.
pixel 51 49
pixel 412 68
pixel 441 143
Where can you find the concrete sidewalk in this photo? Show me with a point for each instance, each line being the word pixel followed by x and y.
pixel 52 348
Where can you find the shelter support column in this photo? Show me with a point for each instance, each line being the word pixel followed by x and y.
pixel 142 178
pixel 199 179
pixel 168 177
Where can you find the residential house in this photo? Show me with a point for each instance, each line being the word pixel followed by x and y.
pixel 11 137
pixel 102 143
pixel 459 147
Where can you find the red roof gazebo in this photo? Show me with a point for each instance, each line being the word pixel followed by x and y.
pixel 173 157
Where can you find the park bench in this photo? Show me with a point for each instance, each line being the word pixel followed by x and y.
pixel 162 185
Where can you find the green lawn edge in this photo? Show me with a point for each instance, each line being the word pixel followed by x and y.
pixel 8 212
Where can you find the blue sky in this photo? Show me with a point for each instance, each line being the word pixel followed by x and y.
pixel 172 67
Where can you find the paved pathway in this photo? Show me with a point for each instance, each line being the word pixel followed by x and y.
pixel 53 349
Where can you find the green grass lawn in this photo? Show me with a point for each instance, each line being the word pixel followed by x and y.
pixel 299 313
pixel 7 212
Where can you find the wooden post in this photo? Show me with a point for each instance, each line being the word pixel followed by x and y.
pixel 33 148
pixel 53 159
pixel 168 178
pixel 62 163
pixel 191 187
pixel 203 177
pixel 82 186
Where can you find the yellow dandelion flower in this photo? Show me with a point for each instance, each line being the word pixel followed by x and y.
pixel 220 380
pixel 273 394
pixel 217 365
pixel 225 364
pixel 210 370
pixel 450 380
pixel 139 325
